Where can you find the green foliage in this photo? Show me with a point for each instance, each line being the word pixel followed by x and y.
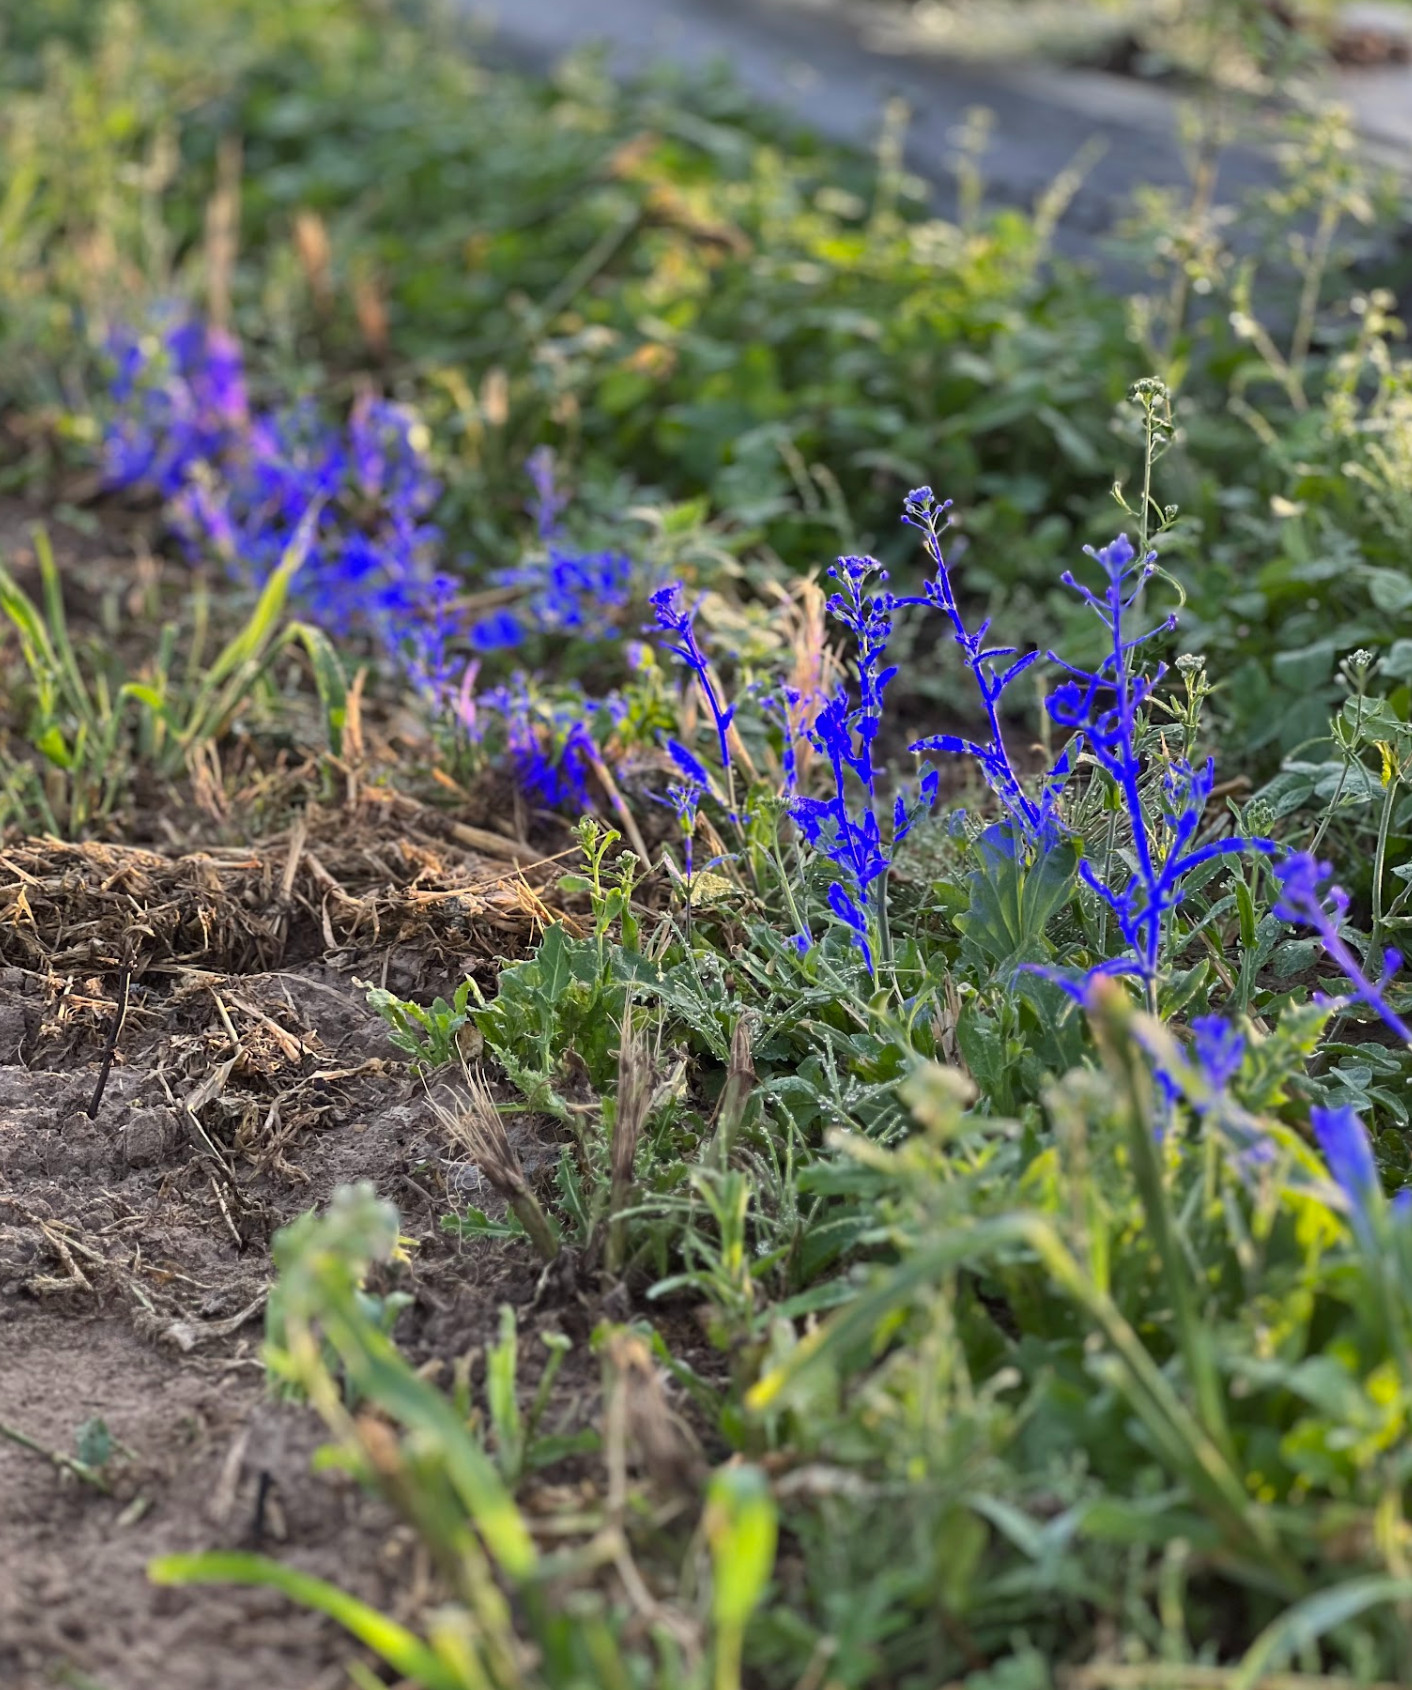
pixel 654 278
pixel 430 1036
pixel 556 1630
pixel 92 729
pixel 1136 1332
pixel 1030 1360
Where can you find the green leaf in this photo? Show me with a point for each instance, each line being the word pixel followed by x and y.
pixel 93 1442
pixel 153 697
pixel 39 655
pixel 229 678
pixel 742 1526
pixel 1306 1622
pixel 78 695
pixel 555 972
pixel 1012 903
pixel 402 1650
pixel 501 1367
pixel 52 746
pixel 329 678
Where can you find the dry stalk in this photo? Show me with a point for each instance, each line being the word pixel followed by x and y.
pixel 475 1124
pixel 637 1084
pixel 735 1094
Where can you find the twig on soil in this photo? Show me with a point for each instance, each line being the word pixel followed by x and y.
pixel 298 837
pixel 211 1087
pixel 226 1021
pixel 474 838
pixel 221 1505
pixel 110 1045
pixel 220 1198
pixel 187 1334
pixel 63 1248
pixel 373 1065
pixel 78 1280
pixel 293 1047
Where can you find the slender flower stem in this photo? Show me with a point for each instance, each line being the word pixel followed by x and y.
pixel 1373 956
pixel 1348 761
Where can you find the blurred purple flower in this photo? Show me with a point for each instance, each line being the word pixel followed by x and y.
pixel 1308 898
pixel 1219 1049
pixel 1343 1141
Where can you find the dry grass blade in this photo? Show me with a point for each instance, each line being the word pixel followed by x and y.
pixel 637 1084
pixel 640 1425
pixel 474 1122
pixel 735 1094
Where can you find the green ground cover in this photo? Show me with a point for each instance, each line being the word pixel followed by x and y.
pixel 1023 1123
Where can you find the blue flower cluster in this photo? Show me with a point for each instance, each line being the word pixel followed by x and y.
pixel 549 742
pixel 570 593
pixel 565 592
pixel 1034 820
pixel 239 482
pixel 1102 709
pixel 183 400
pixel 844 826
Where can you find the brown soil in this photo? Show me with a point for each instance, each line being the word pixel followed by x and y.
pixel 249 1079
pixel 187 1063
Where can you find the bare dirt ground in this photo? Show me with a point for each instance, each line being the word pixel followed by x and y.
pixel 187 1063
pixel 249 1078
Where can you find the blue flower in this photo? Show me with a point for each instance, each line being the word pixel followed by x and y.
pixel 1343 1140
pixel 844 826
pixel 548 502
pixel 576 589
pixel 789 706
pixel 853 918
pixel 691 767
pixel 1103 708
pixel 994 669
pixel 673 617
pixel 1219 1048
pixel 500 631
pixel 549 743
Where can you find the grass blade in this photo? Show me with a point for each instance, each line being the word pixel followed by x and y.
pixel 403 1651
pixel 329 678
pixel 1305 1623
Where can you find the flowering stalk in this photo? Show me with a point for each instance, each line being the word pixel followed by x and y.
pixel 845 734
pixel 1103 709
pixel 548 502
pixel 679 620
pixel 1035 822
pixel 684 796
pixel 1304 899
